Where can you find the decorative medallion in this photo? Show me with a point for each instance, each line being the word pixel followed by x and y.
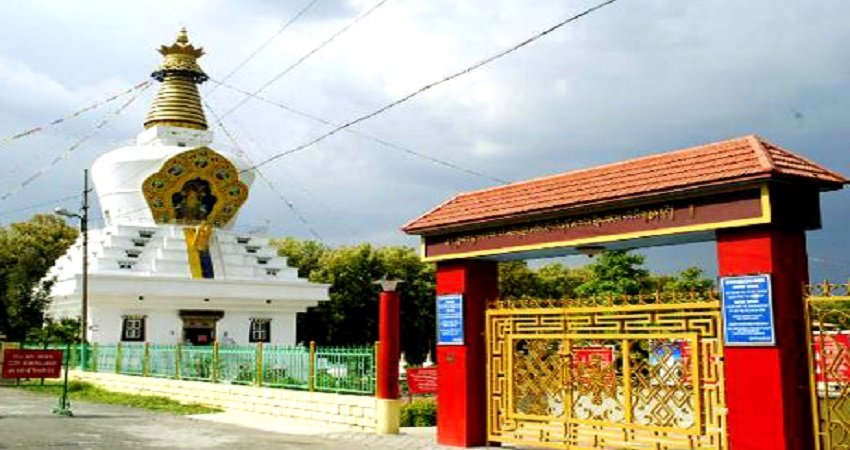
pixel 193 187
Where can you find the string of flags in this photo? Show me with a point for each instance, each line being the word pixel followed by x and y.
pixel 138 91
pixel 5 141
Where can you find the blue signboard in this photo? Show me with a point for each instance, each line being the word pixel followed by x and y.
pixel 747 310
pixel 450 319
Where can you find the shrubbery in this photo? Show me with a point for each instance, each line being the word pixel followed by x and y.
pixel 419 413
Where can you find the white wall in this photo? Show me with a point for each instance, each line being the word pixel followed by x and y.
pixel 166 326
pixel 161 326
pixel 234 327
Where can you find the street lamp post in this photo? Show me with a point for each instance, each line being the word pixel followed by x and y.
pixel 83 215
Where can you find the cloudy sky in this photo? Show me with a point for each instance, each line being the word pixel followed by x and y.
pixel 634 78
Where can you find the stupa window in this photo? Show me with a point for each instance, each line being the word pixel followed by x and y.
pixel 260 330
pixel 133 329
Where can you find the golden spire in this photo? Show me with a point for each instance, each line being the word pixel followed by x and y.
pixel 178 103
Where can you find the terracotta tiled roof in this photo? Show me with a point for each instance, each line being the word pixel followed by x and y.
pixel 737 160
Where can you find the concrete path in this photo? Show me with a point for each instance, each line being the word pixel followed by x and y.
pixel 26 422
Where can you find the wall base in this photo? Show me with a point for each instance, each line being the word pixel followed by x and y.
pixel 354 412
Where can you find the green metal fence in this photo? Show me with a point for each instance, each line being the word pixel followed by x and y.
pixel 162 361
pixel 287 366
pixel 324 369
pixel 344 369
pixel 131 359
pixel 237 364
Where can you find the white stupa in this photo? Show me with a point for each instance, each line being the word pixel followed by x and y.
pixel 166 267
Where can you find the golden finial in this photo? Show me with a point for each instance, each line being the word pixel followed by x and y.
pixel 182 37
pixel 182 56
pixel 178 102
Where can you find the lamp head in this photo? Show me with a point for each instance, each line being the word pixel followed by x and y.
pixel 64 212
pixel 388 285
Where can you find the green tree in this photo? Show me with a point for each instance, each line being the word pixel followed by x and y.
pixel 350 317
pixel 690 280
pixel 615 272
pixel 516 280
pixel 305 255
pixel 27 250
pixel 556 280
pixel 65 330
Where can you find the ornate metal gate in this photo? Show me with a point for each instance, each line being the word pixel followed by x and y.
pixel 624 373
pixel 828 317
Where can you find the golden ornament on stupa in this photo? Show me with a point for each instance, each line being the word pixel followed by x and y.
pixel 178 103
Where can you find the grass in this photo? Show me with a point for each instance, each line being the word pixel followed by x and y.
pixel 82 391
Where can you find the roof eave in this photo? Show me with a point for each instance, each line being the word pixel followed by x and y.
pixel 412 229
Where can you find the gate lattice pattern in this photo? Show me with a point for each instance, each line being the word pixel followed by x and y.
pixel 624 374
pixel 828 309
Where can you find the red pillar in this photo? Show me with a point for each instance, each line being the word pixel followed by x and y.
pixel 388 347
pixel 461 393
pixel 767 390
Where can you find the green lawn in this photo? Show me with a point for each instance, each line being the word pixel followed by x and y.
pixel 82 391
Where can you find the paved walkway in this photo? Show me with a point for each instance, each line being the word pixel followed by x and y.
pixel 26 422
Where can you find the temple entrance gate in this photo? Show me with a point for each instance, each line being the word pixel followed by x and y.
pixel 828 316
pixel 641 372
pixel 753 199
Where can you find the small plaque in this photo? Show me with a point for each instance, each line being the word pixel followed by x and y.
pixel 747 311
pixel 450 319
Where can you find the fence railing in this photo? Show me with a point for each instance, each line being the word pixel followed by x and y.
pixel 314 368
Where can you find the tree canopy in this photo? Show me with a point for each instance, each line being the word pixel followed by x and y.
pixel 351 315
pixel 615 272
pixel 554 280
pixel 27 250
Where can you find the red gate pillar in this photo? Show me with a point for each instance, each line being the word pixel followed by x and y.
pixel 767 391
pixel 387 389
pixel 461 369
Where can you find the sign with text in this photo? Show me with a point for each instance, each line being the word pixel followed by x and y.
pixel 422 380
pixel 652 219
pixel 32 363
pixel 747 310
pixel 450 319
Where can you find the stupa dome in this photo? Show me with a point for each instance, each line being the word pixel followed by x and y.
pixel 175 135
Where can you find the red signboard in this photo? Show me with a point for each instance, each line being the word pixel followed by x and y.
pixel 832 357
pixel 594 365
pixel 422 380
pixel 32 363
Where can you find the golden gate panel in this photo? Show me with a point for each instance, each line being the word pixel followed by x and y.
pixel 828 316
pixel 578 375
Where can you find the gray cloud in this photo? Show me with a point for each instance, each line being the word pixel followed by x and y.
pixel 632 79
